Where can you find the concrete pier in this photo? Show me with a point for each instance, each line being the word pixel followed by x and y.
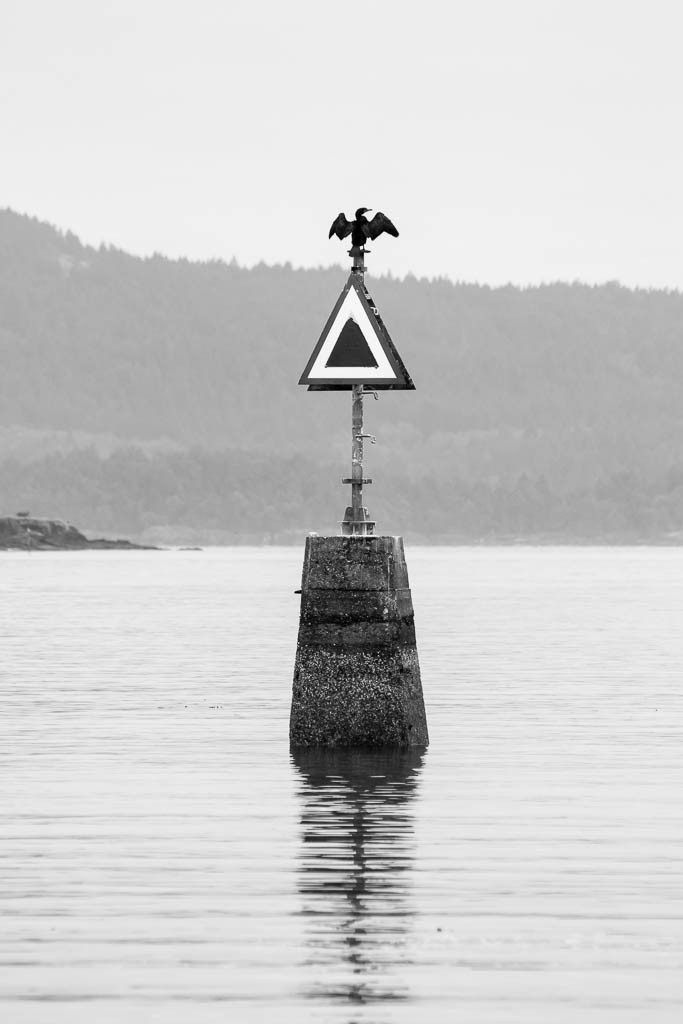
pixel 357 676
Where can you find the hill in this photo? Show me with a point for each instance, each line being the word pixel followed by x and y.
pixel 159 397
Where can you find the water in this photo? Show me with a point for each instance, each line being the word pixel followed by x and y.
pixel 163 858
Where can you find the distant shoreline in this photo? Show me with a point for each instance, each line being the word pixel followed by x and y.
pixel 24 533
pixel 27 533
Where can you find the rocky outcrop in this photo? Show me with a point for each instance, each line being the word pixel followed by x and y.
pixel 27 534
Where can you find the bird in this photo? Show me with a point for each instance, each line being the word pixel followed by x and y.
pixel 361 228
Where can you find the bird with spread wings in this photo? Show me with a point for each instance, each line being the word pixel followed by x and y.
pixel 361 229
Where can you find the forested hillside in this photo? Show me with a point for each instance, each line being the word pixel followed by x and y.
pixel 159 397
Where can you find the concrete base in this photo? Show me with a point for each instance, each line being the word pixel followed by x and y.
pixel 357 676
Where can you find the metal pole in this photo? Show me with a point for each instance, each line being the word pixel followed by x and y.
pixel 356 521
pixel 357 429
pixel 358 528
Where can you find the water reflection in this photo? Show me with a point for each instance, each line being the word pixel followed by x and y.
pixel 355 870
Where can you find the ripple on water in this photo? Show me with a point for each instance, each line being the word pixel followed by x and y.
pixel 163 856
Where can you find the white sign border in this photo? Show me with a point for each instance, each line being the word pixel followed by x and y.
pixel 353 308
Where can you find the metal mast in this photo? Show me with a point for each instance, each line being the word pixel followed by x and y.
pixel 357 522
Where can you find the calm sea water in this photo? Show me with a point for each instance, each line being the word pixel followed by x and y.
pixel 164 858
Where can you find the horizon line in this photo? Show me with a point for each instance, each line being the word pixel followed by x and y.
pixel 409 276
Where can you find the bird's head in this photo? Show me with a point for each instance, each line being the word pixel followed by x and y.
pixel 361 210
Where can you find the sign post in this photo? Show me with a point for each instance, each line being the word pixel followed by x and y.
pixel 356 522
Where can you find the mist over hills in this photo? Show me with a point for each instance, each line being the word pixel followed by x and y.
pixel 159 398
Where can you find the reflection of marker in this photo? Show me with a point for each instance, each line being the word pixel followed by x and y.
pixel 355 870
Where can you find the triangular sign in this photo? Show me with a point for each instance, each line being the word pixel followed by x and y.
pixel 355 348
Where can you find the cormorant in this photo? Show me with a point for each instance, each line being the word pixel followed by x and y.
pixel 361 228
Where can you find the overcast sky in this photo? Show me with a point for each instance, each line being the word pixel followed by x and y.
pixel 515 141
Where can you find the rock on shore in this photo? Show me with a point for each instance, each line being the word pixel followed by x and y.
pixel 28 534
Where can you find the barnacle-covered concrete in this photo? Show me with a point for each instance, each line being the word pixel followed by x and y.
pixel 357 676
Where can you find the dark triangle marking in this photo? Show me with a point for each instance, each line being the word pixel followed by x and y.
pixel 351 348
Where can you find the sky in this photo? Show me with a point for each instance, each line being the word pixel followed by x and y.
pixel 521 142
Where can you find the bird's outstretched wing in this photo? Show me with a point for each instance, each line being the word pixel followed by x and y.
pixel 378 224
pixel 341 227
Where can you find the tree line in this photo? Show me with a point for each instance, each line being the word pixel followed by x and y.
pixel 548 408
